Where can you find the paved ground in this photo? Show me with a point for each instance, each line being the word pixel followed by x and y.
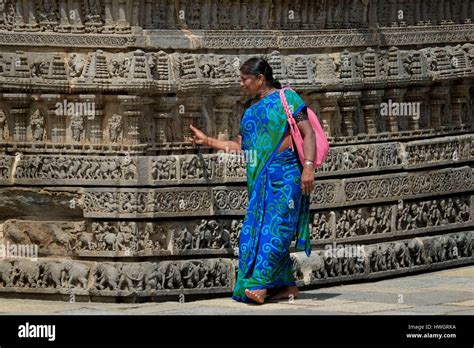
pixel 445 292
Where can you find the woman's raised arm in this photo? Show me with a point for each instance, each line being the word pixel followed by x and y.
pixel 202 139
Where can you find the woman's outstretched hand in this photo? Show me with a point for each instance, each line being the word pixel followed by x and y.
pixel 198 137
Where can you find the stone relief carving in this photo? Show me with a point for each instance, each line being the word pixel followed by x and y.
pixel 138 90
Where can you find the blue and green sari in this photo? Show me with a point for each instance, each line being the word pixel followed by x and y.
pixel 277 209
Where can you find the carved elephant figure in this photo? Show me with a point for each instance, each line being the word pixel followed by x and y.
pixel 402 254
pixel 110 241
pixel 221 274
pixel 377 259
pixel 173 277
pixel 190 274
pixel 332 265
pixel 106 276
pixel 205 238
pixel 225 239
pixel 6 273
pixel 350 265
pixel 452 251
pixel 436 250
pixel 26 273
pixel 76 275
pixel 417 250
pixel 85 241
pixel 54 274
pixel 154 276
pixel 464 244
pixel 132 277
pixel 391 261
pixel 317 266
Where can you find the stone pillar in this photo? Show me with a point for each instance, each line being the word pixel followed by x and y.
pixel 265 14
pixel 64 25
pixel 55 121
pixel 165 120
pixel 18 112
pixel 204 14
pixel 438 97
pixel 76 17
pixel 311 15
pixel 417 95
pixel 123 26
pixel 284 14
pixel 371 100
pixel 328 113
pixel 95 127
pixel 223 111
pixel 190 111
pixel 277 14
pixel 109 20
pixel 20 16
pixel 243 14
pixel 390 121
pixel 147 13
pixel 417 15
pixel 349 103
pixel 393 11
pixel 171 23
pixel 425 15
pixel 135 16
pixel 304 14
pixel 32 22
pixel 132 114
pixel 459 97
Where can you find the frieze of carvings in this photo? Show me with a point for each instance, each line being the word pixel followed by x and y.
pixel 145 70
pixel 163 202
pixel 125 238
pixel 363 221
pixel 220 168
pixel 419 251
pixel 367 261
pixel 206 234
pixel 442 150
pixel 407 184
pixel 119 17
pixel 122 238
pixel 431 213
pixel 351 158
pixel 73 168
pixel 405 217
pixel 147 203
pixel 83 68
pixel 49 274
pixel 84 278
pixel 64 40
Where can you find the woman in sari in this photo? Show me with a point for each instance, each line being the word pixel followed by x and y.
pixel 278 185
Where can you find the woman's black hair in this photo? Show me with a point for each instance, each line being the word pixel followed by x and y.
pixel 256 66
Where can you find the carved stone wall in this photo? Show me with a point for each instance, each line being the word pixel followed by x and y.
pixel 97 171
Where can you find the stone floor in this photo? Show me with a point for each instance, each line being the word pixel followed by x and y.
pixel 447 292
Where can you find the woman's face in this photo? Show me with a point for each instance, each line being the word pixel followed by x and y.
pixel 251 84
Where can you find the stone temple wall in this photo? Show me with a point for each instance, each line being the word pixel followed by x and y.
pixel 96 168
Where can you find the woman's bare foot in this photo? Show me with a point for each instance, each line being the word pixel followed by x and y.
pixel 285 293
pixel 257 295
